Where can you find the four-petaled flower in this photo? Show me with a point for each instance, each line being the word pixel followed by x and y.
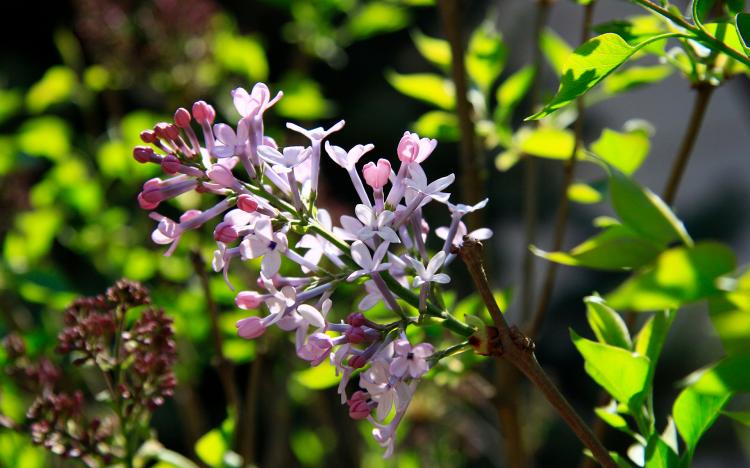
pixel 429 274
pixel 410 360
pixel 368 263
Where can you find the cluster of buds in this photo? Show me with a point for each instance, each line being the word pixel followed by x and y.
pixel 136 362
pixel 267 209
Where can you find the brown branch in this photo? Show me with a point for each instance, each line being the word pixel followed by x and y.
pixel 223 365
pixel 472 181
pixel 511 345
pixel 564 206
pixel 700 104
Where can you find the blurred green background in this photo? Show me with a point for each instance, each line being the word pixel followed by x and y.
pixel 81 79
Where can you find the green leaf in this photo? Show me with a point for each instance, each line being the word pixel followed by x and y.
pixel 607 324
pixel 635 77
pixel 701 9
pixel 650 340
pixel 609 415
pixel 679 276
pixel 303 99
pixel 426 87
pixel 742 417
pixel 307 447
pixel 555 50
pixel 644 212
pixel 586 67
pixel 11 101
pixel 659 454
pixel 511 91
pixel 730 315
pixel 545 142
pixel 319 377
pixel 623 374
pixel 581 192
pixel 694 413
pixel 215 447
pixel 374 18
pixel 507 159
pixel 436 51
pixel 625 151
pixel 241 54
pixel 728 375
pixel 45 136
pixel 742 21
pixel 443 126
pixel 56 86
pixel 485 56
pixel 616 248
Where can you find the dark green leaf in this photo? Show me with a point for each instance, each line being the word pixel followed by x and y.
pixel 742 21
pixel 644 212
pixel 586 67
pixel 742 417
pixel 679 276
pixel 607 324
pixel 616 248
pixel 623 374
pixel 701 10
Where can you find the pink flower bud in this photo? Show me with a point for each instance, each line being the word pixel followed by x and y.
pixel 203 112
pixel 358 407
pixel 248 300
pixel 143 154
pixel 356 319
pixel 247 203
pixel 376 176
pixel 358 361
pixel 170 164
pixel 148 136
pixel 250 328
pixel 221 175
pixel 355 335
pixel 145 204
pixel 412 149
pixel 225 232
pixel 316 349
pixel 182 118
pixel 166 131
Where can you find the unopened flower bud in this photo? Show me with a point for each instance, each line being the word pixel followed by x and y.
pixel 358 361
pixel 356 319
pixel 247 203
pixel 358 407
pixel 250 328
pixel 203 112
pixel 248 300
pixel 182 118
pixel 148 136
pixel 170 164
pixel 355 335
pixel 143 154
pixel 166 131
pixel 225 232
pixel 376 176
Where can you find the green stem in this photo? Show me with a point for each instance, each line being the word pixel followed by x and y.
pixel 700 34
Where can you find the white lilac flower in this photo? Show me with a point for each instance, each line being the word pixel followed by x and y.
pixel 372 297
pixel 230 143
pixel 458 238
pixel 311 317
pixel 375 224
pixel 411 361
pixel 430 273
pixel 317 245
pixel 348 161
pixel 285 161
pixel 368 263
pixel 383 388
pixel 256 102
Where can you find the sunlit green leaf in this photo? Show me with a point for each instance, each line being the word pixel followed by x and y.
pixel 650 339
pixel 581 192
pixel 694 413
pixel 607 324
pixel 307 447
pixel 728 375
pixel 485 56
pixel 546 142
pixel 426 87
pixel 437 51
pixel 659 454
pixel 376 18
pixel 609 415
pixel 586 67
pixel 644 212
pixel 56 86
pixel 319 377
pixel 730 314
pixel 11 101
pixel 215 447
pixel 625 151
pixel 616 248
pixel 443 126
pixel 241 54
pixel 623 374
pixel 680 275
pixel 507 159
pixel 555 49
pixel 511 91
pixel 96 78
pixel 31 239
pixel 635 77
pixel 45 136
pixel 303 99
pixel 633 29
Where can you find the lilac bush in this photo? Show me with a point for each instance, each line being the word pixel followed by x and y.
pixel 267 209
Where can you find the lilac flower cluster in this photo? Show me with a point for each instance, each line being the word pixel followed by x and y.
pixel 268 200
pixel 134 361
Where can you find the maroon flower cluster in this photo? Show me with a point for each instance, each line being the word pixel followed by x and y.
pixel 135 361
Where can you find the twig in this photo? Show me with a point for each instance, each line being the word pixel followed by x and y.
pixel 223 365
pixel 511 345
pixel 564 206
pixel 700 104
pixel 472 184
pixel 248 433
